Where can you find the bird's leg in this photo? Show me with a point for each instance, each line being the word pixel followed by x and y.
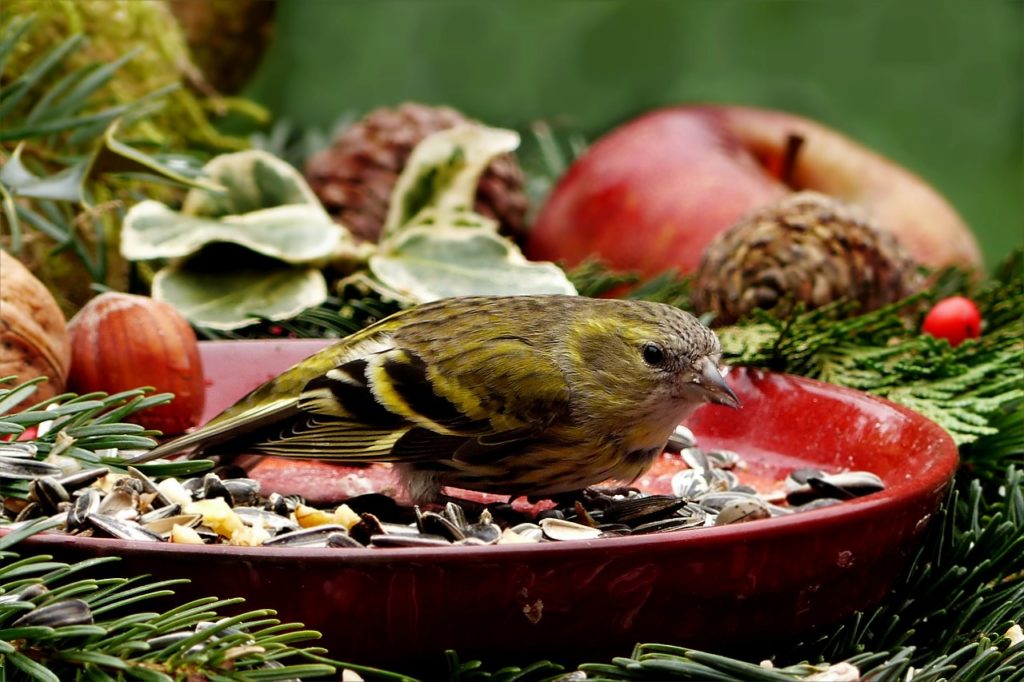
pixel 471 508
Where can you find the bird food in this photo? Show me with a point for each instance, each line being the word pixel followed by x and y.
pixel 210 509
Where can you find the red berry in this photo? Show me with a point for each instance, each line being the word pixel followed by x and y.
pixel 955 318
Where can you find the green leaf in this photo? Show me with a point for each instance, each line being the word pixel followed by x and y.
pixel 68 185
pixel 426 263
pixel 14 174
pixel 236 298
pixel 297 233
pixel 116 157
pixel 251 180
pixel 63 186
pixel 443 171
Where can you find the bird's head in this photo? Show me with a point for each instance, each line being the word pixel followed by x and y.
pixel 648 360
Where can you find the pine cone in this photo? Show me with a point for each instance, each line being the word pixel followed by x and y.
pixel 807 248
pixel 354 176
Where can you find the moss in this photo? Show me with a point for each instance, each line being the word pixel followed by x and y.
pixel 113 28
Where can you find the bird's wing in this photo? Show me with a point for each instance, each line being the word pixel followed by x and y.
pixel 500 387
pixel 314 437
pixel 276 401
pixel 354 401
pixel 421 445
pixel 394 399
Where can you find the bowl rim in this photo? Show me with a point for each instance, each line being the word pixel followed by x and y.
pixel 896 494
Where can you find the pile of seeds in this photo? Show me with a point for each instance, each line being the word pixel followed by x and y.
pixel 212 510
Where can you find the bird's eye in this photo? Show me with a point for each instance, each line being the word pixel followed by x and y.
pixel 653 354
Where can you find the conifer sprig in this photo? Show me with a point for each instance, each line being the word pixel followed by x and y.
pixel 57 623
pixel 87 428
pixel 964 389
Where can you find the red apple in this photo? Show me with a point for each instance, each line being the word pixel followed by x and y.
pixel 653 193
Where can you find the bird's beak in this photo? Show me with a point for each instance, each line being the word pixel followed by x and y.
pixel 713 383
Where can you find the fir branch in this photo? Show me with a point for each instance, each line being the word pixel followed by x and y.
pixel 335 318
pixel 81 431
pixel 986 457
pixel 669 287
pixel 594 278
pixel 473 671
pixel 966 578
pixel 963 389
pixel 53 627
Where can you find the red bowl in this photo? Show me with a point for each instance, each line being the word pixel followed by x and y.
pixel 740 585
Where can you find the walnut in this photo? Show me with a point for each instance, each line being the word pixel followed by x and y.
pixel 34 337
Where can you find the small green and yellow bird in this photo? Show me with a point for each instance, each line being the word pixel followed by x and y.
pixel 519 395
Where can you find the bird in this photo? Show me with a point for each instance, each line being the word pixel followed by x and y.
pixel 536 395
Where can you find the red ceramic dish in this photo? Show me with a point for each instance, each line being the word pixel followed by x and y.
pixel 726 587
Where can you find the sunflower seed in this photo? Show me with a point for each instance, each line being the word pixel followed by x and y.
pixel 724 459
pixel 455 514
pixel 48 493
pixel 163 526
pixel 23 467
pixel 341 541
pixel 18 450
pixel 160 513
pixel 271 521
pixel 689 484
pixel 680 439
pixel 29 511
pixel 123 530
pixel 87 502
pixel 243 491
pixel 642 509
pixel 82 479
pixel 562 530
pixel 669 524
pixel 696 459
pixel 121 502
pixel 306 537
pixel 148 486
pixel 741 510
pixel 408 541
pixel 431 523
pixel 488 533
pixel 60 614
pixel 213 488
pixel 856 483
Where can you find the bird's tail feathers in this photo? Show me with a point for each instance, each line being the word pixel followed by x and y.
pixel 221 430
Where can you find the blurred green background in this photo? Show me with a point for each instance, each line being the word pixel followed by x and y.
pixel 937 85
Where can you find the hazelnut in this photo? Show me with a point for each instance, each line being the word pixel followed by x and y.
pixel 121 342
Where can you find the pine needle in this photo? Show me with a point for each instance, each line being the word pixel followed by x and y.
pixel 963 389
